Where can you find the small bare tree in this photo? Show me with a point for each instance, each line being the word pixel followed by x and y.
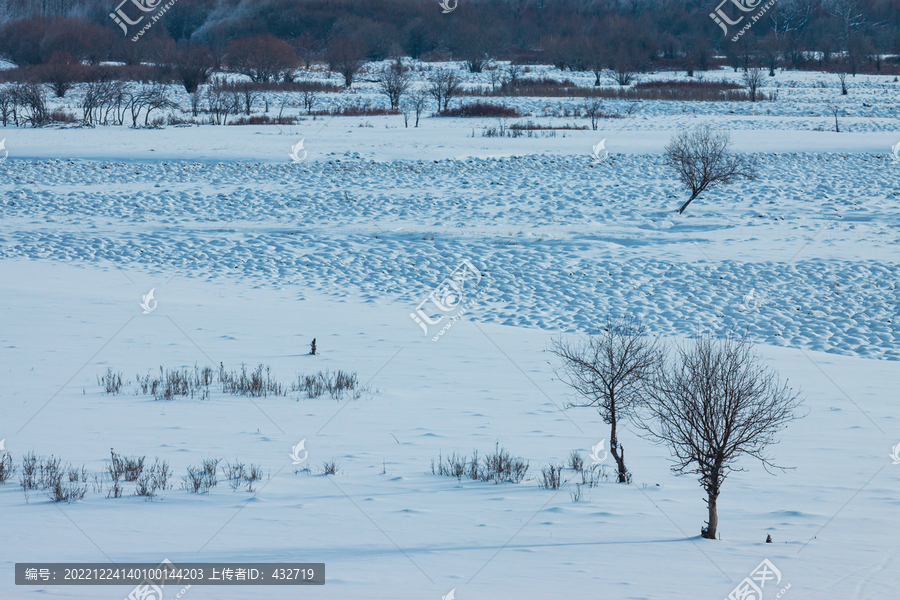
pixel 593 108
pixel 842 77
pixel 835 111
pixel 406 109
pixel 419 102
pixel 6 103
pixel 394 82
pixel 495 76
pixel 514 72
pixel 715 404
pixel 33 99
pixel 248 95
pixel 443 86
pixel 309 98
pixel 221 102
pixel 153 98
pixel 753 79
pixel 608 372
pixel 702 160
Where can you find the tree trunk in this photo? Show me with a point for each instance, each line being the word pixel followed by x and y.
pixel 713 523
pixel 617 452
pixel 685 205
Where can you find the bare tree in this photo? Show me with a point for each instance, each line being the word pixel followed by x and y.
pixel 153 98
pixel 261 58
pixel 394 82
pixel 33 99
pixel 623 66
pixel 60 73
pixel 850 15
pixel 6 103
pixel 346 55
pixel 593 108
pixel 753 79
pixel 715 404
pixel 248 94
pixel 419 101
pixel 443 86
pixel 306 47
pixel 309 98
pixel 193 65
pixel 406 109
pixel 842 77
pixel 608 371
pixel 835 111
pixel 221 102
pixel 701 158
pixel 514 72
pixel 495 75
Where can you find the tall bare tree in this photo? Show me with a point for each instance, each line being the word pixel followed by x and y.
pixel 346 55
pixel 419 102
pixel 193 64
pixel 702 160
pixel 608 372
pixel 394 82
pixel 261 58
pixel 715 404
pixel 443 86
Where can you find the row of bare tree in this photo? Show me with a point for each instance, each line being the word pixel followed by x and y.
pixel 573 33
pixel 112 102
pixel 710 404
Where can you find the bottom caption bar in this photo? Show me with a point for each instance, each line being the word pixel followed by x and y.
pixel 168 573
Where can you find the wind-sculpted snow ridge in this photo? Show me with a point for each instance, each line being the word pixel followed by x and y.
pixel 802 257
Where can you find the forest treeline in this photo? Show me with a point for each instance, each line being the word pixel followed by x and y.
pixel 579 35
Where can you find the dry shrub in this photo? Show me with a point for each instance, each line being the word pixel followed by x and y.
pixel 551 477
pixel 360 109
pixel 263 120
pixel 481 109
pixel 497 467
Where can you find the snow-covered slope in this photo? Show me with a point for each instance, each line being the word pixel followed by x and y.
pixel 251 256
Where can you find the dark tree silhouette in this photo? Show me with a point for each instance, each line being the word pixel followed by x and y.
pixel 346 55
pixel 713 405
pixel 701 158
pixel 261 58
pixel 608 371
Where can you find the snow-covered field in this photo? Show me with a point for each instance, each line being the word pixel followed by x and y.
pixel 251 256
